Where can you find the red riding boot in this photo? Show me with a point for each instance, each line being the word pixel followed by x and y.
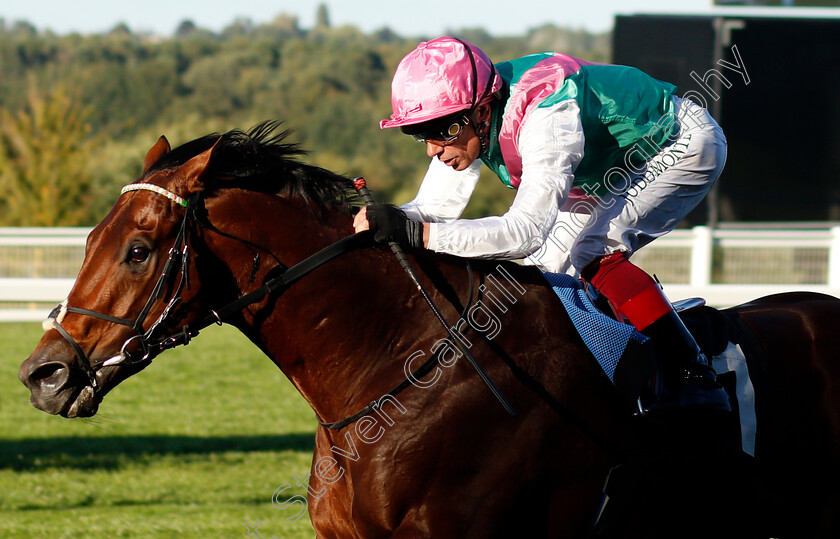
pixel 689 379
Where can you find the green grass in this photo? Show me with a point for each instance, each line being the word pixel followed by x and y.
pixel 194 446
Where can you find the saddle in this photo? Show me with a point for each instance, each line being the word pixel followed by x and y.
pixel 709 460
pixel 625 356
pixel 666 475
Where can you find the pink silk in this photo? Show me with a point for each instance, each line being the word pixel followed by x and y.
pixel 539 82
pixel 435 80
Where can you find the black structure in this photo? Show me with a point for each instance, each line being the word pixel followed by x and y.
pixel 773 83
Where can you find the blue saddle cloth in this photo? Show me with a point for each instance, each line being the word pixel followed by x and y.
pixel 605 337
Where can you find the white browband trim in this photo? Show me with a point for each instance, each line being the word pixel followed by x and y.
pixel 155 189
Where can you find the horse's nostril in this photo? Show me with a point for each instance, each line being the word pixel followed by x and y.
pixel 49 373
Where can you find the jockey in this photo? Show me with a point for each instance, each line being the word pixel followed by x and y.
pixel 604 159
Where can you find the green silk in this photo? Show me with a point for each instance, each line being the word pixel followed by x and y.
pixel 626 115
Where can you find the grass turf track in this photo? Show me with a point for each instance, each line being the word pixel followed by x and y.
pixel 193 446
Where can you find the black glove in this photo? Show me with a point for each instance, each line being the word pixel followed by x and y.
pixel 390 224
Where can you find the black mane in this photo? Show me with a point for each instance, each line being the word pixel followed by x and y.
pixel 260 160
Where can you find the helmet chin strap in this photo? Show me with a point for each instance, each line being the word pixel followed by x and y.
pixel 482 130
pixel 476 101
pixel 483 133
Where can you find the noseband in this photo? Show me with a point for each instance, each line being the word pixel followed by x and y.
pixel 149 346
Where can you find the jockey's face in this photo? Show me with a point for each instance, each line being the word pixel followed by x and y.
pixel 458 154
pixel 461 152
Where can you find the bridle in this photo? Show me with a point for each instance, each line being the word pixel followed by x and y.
pixel 178 264
pixel 179 257
pixel 151 346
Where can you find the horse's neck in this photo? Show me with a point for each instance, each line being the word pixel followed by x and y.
pixel 330 331
pixel 338 333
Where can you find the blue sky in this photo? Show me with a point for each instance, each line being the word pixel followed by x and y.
pixel 424 17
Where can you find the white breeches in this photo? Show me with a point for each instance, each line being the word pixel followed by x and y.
pixel 642 205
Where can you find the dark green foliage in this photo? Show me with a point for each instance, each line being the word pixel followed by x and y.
pixel 330 85
pixel 43 161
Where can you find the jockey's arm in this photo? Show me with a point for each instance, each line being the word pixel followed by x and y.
pixel 551 144
pixel 444 193
pixel 442 197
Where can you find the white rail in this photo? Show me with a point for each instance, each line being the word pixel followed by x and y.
pixel 724 266
pixel 703 242
pixel 26 254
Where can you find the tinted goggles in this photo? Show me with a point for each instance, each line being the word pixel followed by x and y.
pixel 444 130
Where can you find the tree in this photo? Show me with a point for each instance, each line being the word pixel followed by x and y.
pixel 185 29
pixel 43 162
pixel 241 26
pixel 287 26
pixel 330 85
pixel 24 28
pixel 322 17
pixel 121 29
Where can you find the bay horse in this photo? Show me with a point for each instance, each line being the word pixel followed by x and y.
pixel 222 229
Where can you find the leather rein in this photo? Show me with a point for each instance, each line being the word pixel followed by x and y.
pixel 177 264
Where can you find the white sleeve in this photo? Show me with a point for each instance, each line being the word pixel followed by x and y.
pixel 551 146
pixel 444 193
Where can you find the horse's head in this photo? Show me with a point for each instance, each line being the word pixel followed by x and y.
pixel 98 336
pixel 140 285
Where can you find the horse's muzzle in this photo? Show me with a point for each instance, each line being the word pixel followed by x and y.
pixel 56 385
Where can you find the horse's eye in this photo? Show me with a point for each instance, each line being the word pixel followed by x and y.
pixel 137 254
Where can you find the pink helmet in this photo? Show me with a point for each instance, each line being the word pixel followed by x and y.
pixel 438 78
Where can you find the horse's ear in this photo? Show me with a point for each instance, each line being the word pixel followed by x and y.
pixel 160 149
pixel 193 170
